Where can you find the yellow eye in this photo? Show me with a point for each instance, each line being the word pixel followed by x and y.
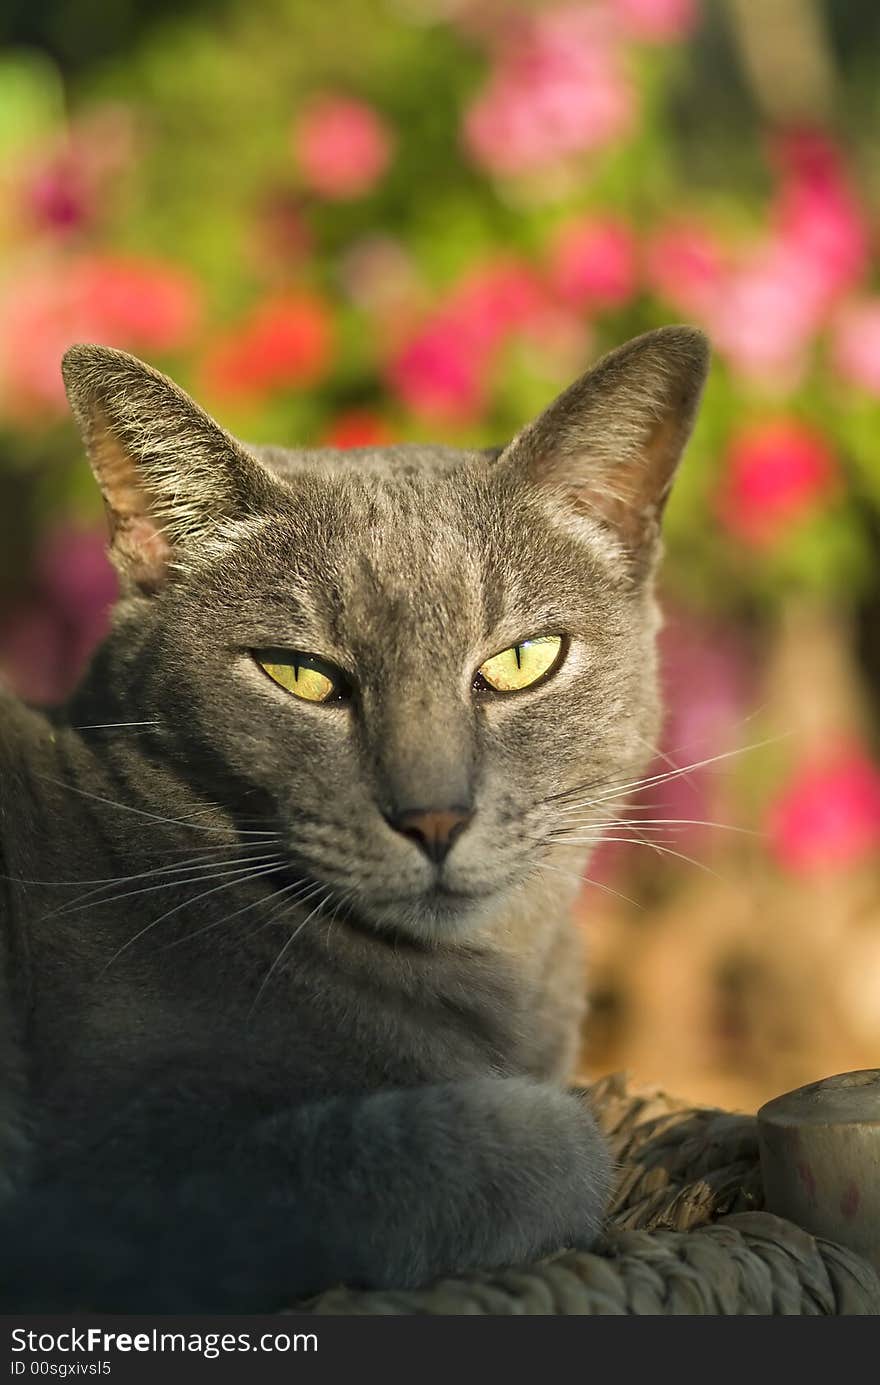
pixel 522 664
pixel 304 676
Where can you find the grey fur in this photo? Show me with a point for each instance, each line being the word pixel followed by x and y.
pixel 231 1103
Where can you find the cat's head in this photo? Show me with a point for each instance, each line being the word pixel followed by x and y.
pixel 428 667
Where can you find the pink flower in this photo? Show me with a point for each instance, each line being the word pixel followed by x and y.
pixel 558 89
pixel 285 343
pixel 856 344
pixel 828 815
pixel 766 314
pixel 656 21
pixel 343 147
pixel 496 299
pixel 150 305
pixel 358 428
pixel 778 473
pixel 685 264
pixel 593 263
pixel 122 301
pixel 765 308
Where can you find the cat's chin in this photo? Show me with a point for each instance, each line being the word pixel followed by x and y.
pixel 436 916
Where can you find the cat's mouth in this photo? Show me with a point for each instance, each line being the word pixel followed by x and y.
pixel 434 915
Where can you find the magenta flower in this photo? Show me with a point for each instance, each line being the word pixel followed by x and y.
pixel 856 344
pixel 343 147
pixel 765 307
pixel 707 680
pixel 67 186
pixel 774 305
pixel 656 21
pixel 593 263
pixel 439 375
pixel 827 817
pixel 558 89
pixel 778 473
pixel 46 642
pixel 60 196
pixel 817 214
pixel 442 371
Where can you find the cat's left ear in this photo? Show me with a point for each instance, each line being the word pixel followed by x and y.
pixel 172 478
pixel 608 447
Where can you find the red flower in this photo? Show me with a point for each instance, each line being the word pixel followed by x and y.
pixel 828 815
pixel 284 344
pixel 343 147
pixel 358 428
pixel 593 263
pixel 778 473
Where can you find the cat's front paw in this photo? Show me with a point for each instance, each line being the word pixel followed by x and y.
pixel 552 1173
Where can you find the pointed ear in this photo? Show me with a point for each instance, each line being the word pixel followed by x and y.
pixel 170 476
pixel 609 446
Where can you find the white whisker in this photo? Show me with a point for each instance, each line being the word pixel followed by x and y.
pixel 153 817
pixel 185 904
pixel 94 896
pixel 328 893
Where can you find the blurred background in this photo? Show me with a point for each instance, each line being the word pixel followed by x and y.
pixel 401 219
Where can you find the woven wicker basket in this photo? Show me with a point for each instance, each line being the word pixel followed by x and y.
pixel 687 1234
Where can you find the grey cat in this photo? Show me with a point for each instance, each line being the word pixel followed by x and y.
pixel 291 989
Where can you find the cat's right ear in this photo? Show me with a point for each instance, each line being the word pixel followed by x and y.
pixel 172 479
pixel 607 449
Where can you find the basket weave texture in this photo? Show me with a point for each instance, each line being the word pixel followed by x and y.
pixel 686 1235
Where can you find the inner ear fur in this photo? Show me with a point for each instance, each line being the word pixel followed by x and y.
pixel 168 473
pixel 609 446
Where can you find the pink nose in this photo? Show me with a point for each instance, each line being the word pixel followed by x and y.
pixel 433 830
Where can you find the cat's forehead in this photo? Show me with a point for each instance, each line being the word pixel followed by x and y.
pixel 398 460
pixel 401 539
pixel 411 546
pixel 390 516
pixel 410 551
